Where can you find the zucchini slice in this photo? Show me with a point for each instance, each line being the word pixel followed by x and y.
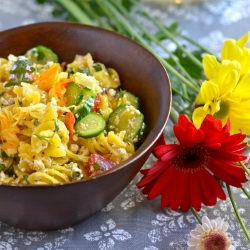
pixel 86 104
pixel 73 94
pixel 41 55
pixel 90 125
pixel 126 97
pixel 127 118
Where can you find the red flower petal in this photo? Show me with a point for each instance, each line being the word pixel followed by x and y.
pixel 214 186
pixel 183 121
pixel 208 197
pixel 148 178
pixel 168 193
pixel 163 149
pixel 230 173
pixel 149 186
pixel 158 165
pixel 210 122
pixel 195 192
pixel 161 183
pixel 186 201
pixel 226 155
pixel 172 153
pixel 180 187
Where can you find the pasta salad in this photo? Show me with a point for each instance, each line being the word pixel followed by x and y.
pixel 63 122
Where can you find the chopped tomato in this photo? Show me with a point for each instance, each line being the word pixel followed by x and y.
pixel 98 164
pixel 97 101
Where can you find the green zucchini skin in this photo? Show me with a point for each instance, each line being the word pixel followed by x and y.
pixel 73 94
pixel 126 118
pixel 90 125
pixel 41 55
pixel 86 104
pixel 131 99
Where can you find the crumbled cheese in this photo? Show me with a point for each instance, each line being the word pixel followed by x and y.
pixel 83 151
pixel 38 165
pixel 75 137
pixel 112 92
pixel 74 148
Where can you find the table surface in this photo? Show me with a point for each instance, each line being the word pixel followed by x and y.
pixel 130 221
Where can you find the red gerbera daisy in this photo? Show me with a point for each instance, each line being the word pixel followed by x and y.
pixel 186 174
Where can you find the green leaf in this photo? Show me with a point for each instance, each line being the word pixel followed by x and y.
pixel 192 69
pixel 43 138
pixel 2 166
pixel 84 70
pixel 36 122
pixel 12 172
pixel 25 177
pixel 97 67
pixel 96 166
pixel 57 127
pixel 20 72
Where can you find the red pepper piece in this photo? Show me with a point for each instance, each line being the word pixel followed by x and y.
pixel 98 164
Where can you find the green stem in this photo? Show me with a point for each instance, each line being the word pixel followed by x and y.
pixel 75 11
pixel 152 39
pixel 195 43
pixel 135 34
pixel 109 14
pixel 173 115
pixel 196 215
pixel 246 193
pixel 245 168
pixel 183 96
pixel 86 6
pixel 170 36
pixel 237 213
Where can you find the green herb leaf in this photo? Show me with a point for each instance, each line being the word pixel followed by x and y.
pixel 96 166
pixel 36 122
pixel 43 138
pixel 84 70
pixel 20 72
pixel 12 172
pixel 2 166
pixel 57 127
pixel 97 67
pixel 25 177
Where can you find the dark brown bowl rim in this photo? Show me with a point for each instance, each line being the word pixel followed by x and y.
pixel 139 152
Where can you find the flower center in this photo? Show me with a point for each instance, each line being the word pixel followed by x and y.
pixel 215 241
pixel 191 159
pixel 223 112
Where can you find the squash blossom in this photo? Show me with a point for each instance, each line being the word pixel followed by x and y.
pixel 226 92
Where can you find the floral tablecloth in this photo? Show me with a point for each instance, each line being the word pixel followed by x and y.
pixel 130 221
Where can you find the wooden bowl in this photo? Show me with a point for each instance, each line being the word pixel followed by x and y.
pixel 53 207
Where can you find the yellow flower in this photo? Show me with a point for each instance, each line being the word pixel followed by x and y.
pixel 225 96
pixel 236 50
pixel 232 50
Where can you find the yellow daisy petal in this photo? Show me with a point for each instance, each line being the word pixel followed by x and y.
pixel 209 91
pixel 242 88
pixel 199 115
pixel 231 51
pixel 228 76
pixel 211 66
pixel 240 117
pixel 242 42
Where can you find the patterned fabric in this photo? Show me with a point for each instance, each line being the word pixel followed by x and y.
pixel 130 221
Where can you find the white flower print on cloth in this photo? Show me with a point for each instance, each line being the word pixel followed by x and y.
pixel 166 224
pixel 107 236
pixel 151 248
pixel 5 246
pixel 108 207
pixel 16 239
